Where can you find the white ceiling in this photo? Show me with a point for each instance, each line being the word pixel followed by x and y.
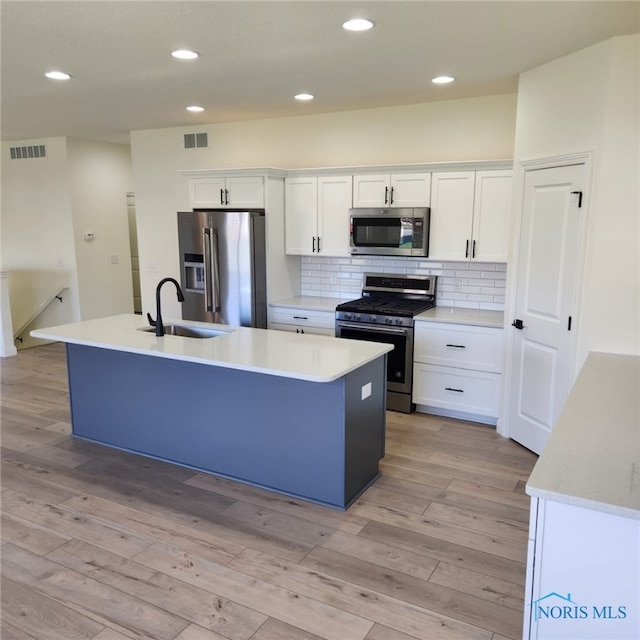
pixel 256 55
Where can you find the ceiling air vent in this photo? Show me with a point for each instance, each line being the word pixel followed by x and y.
pixel 31 151
pixel 196 140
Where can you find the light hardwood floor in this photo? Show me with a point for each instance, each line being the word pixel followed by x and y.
pixel 97 543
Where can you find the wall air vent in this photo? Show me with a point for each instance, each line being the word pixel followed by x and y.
pixel 196 140
pixel 31 151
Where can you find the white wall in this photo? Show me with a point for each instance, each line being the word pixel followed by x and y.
pixel 99 179
pixel 611 306
pixel 37 233
pixel 474 129
pixel 589 101
pixel 47 203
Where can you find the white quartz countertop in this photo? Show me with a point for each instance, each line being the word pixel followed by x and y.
pixel 592 458
pixel 279 353
pixel 317 303
pixel 454 315
pixel 459 315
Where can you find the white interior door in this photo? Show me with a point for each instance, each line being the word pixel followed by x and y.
pixel 545 300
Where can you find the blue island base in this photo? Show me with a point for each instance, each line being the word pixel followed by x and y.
pixel 320 442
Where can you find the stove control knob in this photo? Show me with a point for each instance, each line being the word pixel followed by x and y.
pixel 398 320
pixel 356 316
pixel 373 318
pixel 347 316
pixel 389 320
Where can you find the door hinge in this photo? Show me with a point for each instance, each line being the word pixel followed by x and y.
pixel 579 194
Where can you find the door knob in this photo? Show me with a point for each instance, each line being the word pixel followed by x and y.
pixel 518 324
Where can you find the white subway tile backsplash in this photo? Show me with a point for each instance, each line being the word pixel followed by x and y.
pixel 460 284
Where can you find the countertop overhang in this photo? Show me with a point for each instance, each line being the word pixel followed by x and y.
pixel 592 458
pixel 279 353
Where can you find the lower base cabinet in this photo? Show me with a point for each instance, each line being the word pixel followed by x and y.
pixel 457 370
pixel 583 574
pixel 303 320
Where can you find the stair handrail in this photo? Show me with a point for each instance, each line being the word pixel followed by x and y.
pixel 17 335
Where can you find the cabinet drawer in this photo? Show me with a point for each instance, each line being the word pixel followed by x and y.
pixel 306 329
pixel 463 346
pixel 303 317
pixel 456 389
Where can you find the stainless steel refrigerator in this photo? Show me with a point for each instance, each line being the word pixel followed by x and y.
pixel 223 266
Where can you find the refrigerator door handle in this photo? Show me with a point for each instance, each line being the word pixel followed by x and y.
pixel 206 241
pixel 215 277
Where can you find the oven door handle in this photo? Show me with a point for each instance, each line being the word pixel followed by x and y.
pixel 372 328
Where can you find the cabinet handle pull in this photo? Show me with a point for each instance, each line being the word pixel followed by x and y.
pixel 452 389
pixel 466 251
pixel 318 244
pixel 300 318
pixel 457 346
pixel 386 195
pixel 473 250
pixel 221 196
pixel 226 196
pixel 313 243
pixel 391 200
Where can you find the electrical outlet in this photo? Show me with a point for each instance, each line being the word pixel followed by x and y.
pixel 114 258
pixel 457 284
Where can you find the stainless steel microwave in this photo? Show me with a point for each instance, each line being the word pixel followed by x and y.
pixel 390 232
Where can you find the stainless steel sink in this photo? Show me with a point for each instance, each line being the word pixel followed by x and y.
pixel 186 331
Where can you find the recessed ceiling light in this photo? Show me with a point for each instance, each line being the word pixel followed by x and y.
pixel 304 96
pixel 358 24
pixel 57 75
pixel 443 79
pixel 185 54
pixel 195 108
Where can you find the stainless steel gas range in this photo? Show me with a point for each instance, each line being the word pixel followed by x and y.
pixel 385 313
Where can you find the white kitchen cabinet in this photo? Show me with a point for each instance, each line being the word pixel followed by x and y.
pixel 302 320
pixel 457 370
pixel 392 190
pixel 317 215
pixel 582 573
pixel 255 188
pixel 230 192
pixel 470 214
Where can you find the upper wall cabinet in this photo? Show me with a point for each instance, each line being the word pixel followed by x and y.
pixel 392 190
pixel 231 192
pixel 470 215
pixel 317 215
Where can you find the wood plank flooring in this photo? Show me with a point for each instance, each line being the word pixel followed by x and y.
pixel 104 545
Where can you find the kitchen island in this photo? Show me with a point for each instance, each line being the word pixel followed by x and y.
pixel 300 414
